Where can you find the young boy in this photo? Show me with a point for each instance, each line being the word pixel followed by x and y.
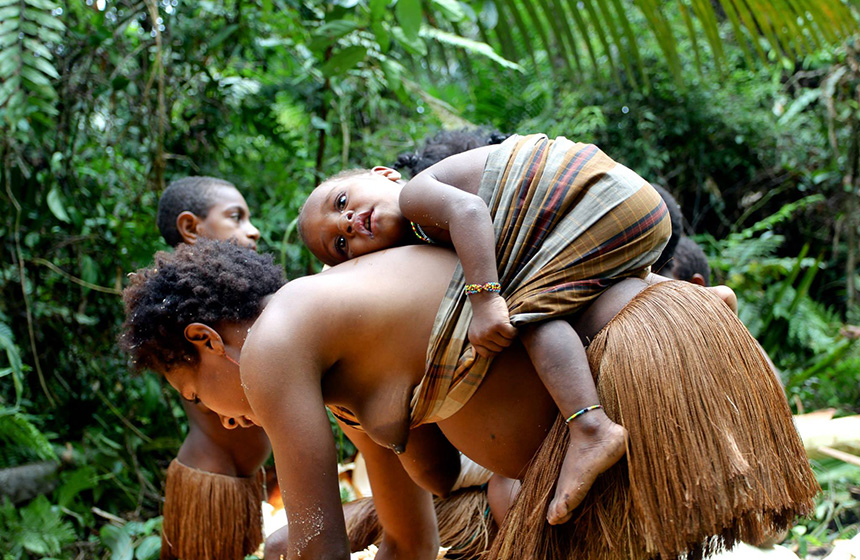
pixel 213 488
pixel 545 201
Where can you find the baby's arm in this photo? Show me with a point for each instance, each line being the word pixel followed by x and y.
pixel 444 196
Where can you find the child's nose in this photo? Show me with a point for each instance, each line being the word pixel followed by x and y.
pixel 344 222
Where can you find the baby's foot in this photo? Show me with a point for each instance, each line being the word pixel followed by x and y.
pixel 596 443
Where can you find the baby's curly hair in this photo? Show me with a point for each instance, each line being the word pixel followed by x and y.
pixel 209 282
pixel 447 143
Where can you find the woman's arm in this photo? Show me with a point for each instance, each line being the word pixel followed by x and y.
pixel 283 385
pixel 405 511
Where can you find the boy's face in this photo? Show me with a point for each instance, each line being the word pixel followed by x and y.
pixel 349 217
pixel 229 219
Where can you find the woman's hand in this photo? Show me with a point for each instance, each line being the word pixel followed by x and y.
pixel 491 330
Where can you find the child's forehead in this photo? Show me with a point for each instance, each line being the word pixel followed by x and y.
pixel 224 194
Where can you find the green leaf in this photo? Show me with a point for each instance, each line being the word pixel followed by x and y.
pixel 452 9
pixel 414 46
pixel 344 60
pixel 10 12
pixel 382 35
pixel 378 9
pixel 327 34
pixel 149 548
pixel 79 480
pixel 43 65
pixel 118 541
pixel 10 60
pixel 10 94
pixel 475 47
pixel 336 29
pixel 222 35
pixel 34 76
pixel 409 17
pixel 4 3
pixel 38 48
pixel 10 25
pixel 46 20
pixel 41 4
pixel 57 206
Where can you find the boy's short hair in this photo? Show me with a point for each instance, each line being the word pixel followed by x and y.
pixel 190 194
pixel 689 260
pixel 208 282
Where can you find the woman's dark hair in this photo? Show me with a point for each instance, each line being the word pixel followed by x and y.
pixel 208 282
pixel 445 144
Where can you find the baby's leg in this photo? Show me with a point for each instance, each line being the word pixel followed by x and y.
pixel 596 442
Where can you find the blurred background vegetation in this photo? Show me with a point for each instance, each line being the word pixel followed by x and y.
pixel 747 111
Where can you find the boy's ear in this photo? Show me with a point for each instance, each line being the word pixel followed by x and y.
pixel 698 279
pixel 205 338
pixel 387 172
pixel 186 225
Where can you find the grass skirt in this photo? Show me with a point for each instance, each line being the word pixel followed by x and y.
pixel 463 519
pixel 713 456
pixel 210 516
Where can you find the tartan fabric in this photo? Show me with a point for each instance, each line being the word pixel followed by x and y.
pixel 569 222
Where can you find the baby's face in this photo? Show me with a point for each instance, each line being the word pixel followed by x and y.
pixel 350 217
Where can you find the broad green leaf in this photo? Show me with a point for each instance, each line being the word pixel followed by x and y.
pixel 118 541
pixel 451 8
pixel 330 32
pixel 344 60
pixel 336 29
pixel 378 9
pixel 4 3
pixel 383 38
pixel 57 206
pixel 475 47
pixel 148 549
pixel 409 17
pixel 89 269
pixel 415 46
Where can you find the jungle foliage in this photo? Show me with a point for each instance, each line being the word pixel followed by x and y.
pixel 748 112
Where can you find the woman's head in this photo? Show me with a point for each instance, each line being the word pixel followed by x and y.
pixel 211 282
pixel 205 207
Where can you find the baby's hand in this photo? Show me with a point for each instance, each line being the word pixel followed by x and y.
pixel 491 329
